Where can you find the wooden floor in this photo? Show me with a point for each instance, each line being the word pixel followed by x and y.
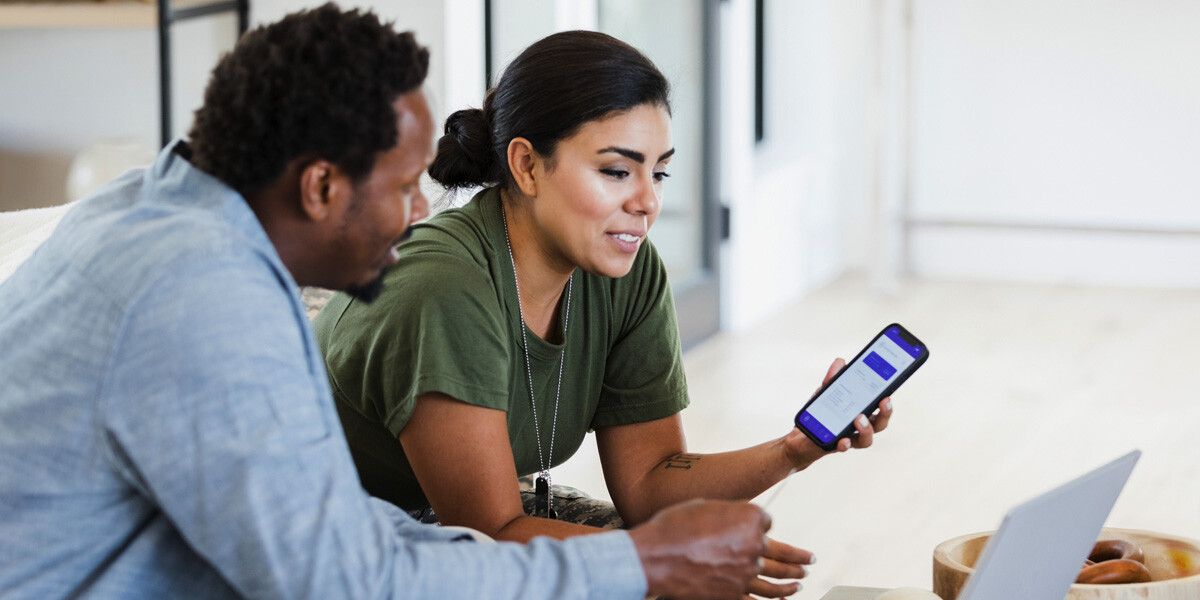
pixel 1026 387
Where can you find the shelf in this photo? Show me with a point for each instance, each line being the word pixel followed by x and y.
pixel 76 15
pixel 109 14
pixel 124 14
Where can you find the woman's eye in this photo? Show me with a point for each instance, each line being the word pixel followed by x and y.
pixel 615 173
pixel 661 175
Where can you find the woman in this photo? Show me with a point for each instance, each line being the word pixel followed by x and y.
pixel 539 311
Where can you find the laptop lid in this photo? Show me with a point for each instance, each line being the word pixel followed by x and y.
pixel 1040 546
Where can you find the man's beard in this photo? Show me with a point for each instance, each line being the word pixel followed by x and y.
pixel 369 291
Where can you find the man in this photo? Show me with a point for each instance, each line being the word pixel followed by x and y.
pixel 166 428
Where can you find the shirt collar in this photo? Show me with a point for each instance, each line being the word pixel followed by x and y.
pixel 173 180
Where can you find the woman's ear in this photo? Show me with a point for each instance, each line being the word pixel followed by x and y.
pixel 522 159
pixel 324 189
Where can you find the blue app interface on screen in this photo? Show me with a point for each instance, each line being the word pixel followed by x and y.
pixel 859 385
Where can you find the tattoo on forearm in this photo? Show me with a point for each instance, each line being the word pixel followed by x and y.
pixel 682 461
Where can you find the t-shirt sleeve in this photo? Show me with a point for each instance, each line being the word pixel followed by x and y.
pixel 643 378
pixel 438 327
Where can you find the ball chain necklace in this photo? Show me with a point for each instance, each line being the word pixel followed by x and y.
pixel 543 498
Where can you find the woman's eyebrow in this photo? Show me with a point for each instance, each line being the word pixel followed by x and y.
pixel 634 154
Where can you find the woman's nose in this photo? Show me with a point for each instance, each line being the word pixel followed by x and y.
pixel 646 199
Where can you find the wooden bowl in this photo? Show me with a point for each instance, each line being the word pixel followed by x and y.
pixel 1174 565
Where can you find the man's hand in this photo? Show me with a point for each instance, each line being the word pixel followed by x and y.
pixel 783 561
pixel 714 549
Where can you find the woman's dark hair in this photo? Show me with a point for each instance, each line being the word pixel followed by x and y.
pixel 546 94
pixel 319 83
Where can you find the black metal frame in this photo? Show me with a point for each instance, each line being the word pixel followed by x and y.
pixel 487 45
pixel 168 16
pixel 760 42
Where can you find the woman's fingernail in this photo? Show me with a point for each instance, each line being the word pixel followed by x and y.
pixel 888 405
pixel 862 421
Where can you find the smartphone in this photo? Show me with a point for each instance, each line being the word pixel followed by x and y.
pixel 858 388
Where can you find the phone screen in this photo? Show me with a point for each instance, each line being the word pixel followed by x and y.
pixel 885 361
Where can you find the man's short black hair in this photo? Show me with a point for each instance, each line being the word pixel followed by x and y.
pixel 317 84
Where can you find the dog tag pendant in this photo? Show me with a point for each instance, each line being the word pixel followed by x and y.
pixel 543 498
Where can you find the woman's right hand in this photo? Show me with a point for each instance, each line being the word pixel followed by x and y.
pixel 803 452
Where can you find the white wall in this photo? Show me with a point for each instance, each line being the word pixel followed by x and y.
pixel 64 89
pixel 1033 140
pixel 1077 122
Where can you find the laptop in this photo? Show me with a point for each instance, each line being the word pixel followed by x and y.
pixel 1040 546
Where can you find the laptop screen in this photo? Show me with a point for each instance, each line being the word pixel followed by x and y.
pixel 1040 546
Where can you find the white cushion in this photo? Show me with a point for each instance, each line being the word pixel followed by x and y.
pixel 22 231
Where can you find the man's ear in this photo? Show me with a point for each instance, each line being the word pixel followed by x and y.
pixel 324 190
pixel 522 159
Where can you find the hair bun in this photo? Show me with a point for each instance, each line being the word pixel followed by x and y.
pixel 465 156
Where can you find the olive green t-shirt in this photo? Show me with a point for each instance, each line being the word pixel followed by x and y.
pixel 448 322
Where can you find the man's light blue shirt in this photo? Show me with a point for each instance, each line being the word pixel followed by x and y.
pixel 166 428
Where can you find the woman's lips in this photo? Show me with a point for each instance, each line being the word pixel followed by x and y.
pixel 627 241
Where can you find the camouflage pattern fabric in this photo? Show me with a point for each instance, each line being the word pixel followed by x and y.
pixel 571 504
pixel 425 516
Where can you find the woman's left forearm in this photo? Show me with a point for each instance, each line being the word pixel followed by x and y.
pixel 647 465
pixel 736 475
